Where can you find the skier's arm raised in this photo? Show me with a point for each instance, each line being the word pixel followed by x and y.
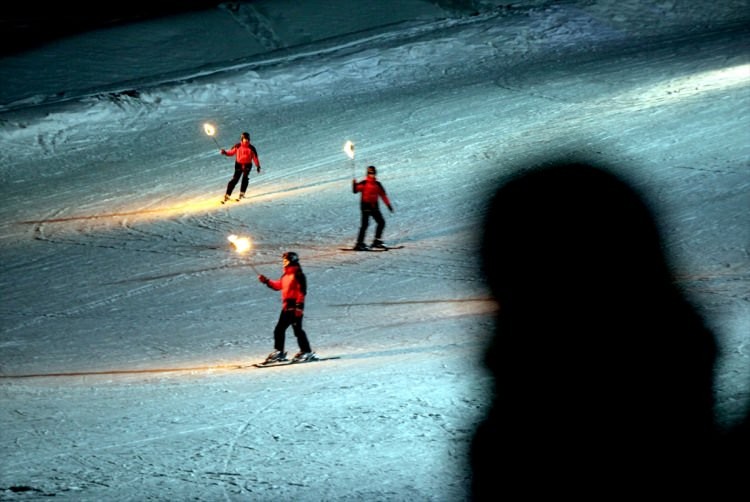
pixel 271 283
pixel 231 151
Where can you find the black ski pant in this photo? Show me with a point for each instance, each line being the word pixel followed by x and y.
pixel 240 171
pixel 376 215
pixel 286 319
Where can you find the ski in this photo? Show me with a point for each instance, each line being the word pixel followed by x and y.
pixel 372 250
pixel 289 362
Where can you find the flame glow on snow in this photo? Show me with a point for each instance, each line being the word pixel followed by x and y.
pixel 689 86
pixel 241 244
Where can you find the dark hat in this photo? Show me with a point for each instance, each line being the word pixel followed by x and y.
pixel 290 258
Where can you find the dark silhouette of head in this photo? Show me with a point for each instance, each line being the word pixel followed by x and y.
pixel 603 370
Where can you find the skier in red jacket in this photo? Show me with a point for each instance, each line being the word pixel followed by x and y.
pixel 247 155
pixel 372 190
pixel 293 287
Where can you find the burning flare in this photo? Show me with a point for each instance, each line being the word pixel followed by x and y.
pixel 349 149
pixel 211 130
pixel 241 244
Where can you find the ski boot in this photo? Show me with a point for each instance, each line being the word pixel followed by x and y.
pixel 303 357
pixel 377 244
pixel 276 356
pixel 360 246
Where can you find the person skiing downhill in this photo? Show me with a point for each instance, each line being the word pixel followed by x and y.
pixel 246 156
pixel 293 287
pixel 372 191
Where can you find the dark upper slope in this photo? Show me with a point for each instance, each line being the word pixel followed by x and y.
pixel 26 25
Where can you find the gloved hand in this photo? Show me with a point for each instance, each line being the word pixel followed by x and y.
pixel 262 278
pixel 390 208
pixel 257 169
pixel 223 152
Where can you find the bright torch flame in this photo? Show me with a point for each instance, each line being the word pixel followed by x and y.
pixel 210 129
pixel 241 244
pixel 349 149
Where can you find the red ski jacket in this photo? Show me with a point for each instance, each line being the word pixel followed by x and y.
pixel 246 153
pixel 293 287
pixel 371 190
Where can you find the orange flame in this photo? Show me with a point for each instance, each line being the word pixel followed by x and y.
pixel 241 244
pixel 210 129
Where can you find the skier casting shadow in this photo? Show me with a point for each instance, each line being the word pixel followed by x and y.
pixel 372 191
pixel 603 372
pixel 293 287
pixel 246 155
